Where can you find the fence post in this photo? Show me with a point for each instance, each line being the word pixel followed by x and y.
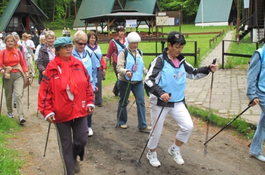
pixel 223 59
pixel 195 56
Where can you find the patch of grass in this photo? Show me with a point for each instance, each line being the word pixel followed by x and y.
pixel 240 125
pixel 242 47
pixel 10 160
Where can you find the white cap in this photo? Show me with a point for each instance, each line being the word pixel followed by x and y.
pixel 134 37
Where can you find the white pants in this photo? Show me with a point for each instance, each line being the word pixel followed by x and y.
pixel 179 113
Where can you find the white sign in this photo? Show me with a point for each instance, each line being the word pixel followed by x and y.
pixel 246 4
pixel 162 21
pixel 131 23
pixel 161 14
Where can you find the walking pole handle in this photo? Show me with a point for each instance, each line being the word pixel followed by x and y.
pixel 214 61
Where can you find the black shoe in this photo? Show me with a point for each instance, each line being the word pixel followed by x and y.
pixel 15 105
pixel 99 105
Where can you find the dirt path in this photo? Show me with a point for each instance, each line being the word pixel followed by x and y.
pixel 115 151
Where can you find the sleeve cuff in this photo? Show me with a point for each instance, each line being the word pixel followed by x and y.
pixel 91 105
pixel 52 113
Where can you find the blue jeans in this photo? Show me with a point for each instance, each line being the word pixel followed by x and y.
pixel 259 136
pixel 138 91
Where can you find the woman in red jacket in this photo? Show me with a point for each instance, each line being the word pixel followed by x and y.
pixel 11 59
pixel 65 99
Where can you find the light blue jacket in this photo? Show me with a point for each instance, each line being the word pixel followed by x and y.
pixel 256 73
pixel 89 64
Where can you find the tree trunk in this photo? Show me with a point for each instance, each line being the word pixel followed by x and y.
pixel 53 13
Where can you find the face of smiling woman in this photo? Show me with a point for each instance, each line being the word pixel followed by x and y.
pixel 10 43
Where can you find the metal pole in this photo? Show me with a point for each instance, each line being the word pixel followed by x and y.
pixel 47 138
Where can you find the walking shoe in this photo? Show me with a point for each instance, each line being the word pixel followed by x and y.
pixel 21 120
pixel 152 157
pixel 147 129
pixel 259 157
pixel 10 115
pixel 176 154
pixel 76 167
pixel 123 126
pixel 90 132
pixel 99 105
pixel 15 105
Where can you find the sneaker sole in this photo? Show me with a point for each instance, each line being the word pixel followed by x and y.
pixel 156 166
pixel 22 121
pixel 169 152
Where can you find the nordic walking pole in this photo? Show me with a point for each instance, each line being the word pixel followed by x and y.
pixel 2 96
pixel 117 124
pixel 47 139
pixel 209 112
pixel 131 106
pixel 28 97
pixel 151 133
pixel 249 105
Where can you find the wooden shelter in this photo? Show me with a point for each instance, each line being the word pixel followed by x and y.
pixel 21 16
pixel 111 13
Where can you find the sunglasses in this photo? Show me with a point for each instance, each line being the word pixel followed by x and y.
pixel 81 44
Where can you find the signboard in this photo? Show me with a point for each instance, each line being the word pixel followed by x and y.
pixel 170 18
pixel 132 23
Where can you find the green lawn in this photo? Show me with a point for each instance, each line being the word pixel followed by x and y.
pixel 150 47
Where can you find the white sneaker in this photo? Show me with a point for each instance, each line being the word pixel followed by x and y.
pixel 152 157
pixel 21 120
pixel 90 132
pixel 176 154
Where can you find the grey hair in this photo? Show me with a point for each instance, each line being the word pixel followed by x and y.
pixel 49 33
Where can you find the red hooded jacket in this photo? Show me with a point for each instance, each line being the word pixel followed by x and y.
pixel 51 99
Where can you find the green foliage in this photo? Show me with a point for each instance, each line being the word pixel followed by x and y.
pixel 247 129
pixel 10 160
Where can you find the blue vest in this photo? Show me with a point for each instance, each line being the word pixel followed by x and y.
pixel 119 48
pixel 173 80
pixel 138 61
pixel 86 60
pixel 261 81
pixel 96 55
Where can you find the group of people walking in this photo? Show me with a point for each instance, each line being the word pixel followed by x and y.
pixel 70 78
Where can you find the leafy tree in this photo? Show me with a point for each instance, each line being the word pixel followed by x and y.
pixel 189 8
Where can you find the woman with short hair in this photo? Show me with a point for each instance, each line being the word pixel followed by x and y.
pixel 131 69
pixel 13 68
pixel 65 99
pixel 81 53
pixel 46 53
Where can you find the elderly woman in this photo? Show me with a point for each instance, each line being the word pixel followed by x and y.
pixel 80 40
pixel 167 75
pixel 46 53
pixel 95 51
pixel 65 99
pixel 130 69
pixel 115 47
pixel 13 69
pixel 42 43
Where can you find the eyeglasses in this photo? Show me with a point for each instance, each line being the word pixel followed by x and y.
pixel 178 35
pixel 81 44
pixel 67 47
